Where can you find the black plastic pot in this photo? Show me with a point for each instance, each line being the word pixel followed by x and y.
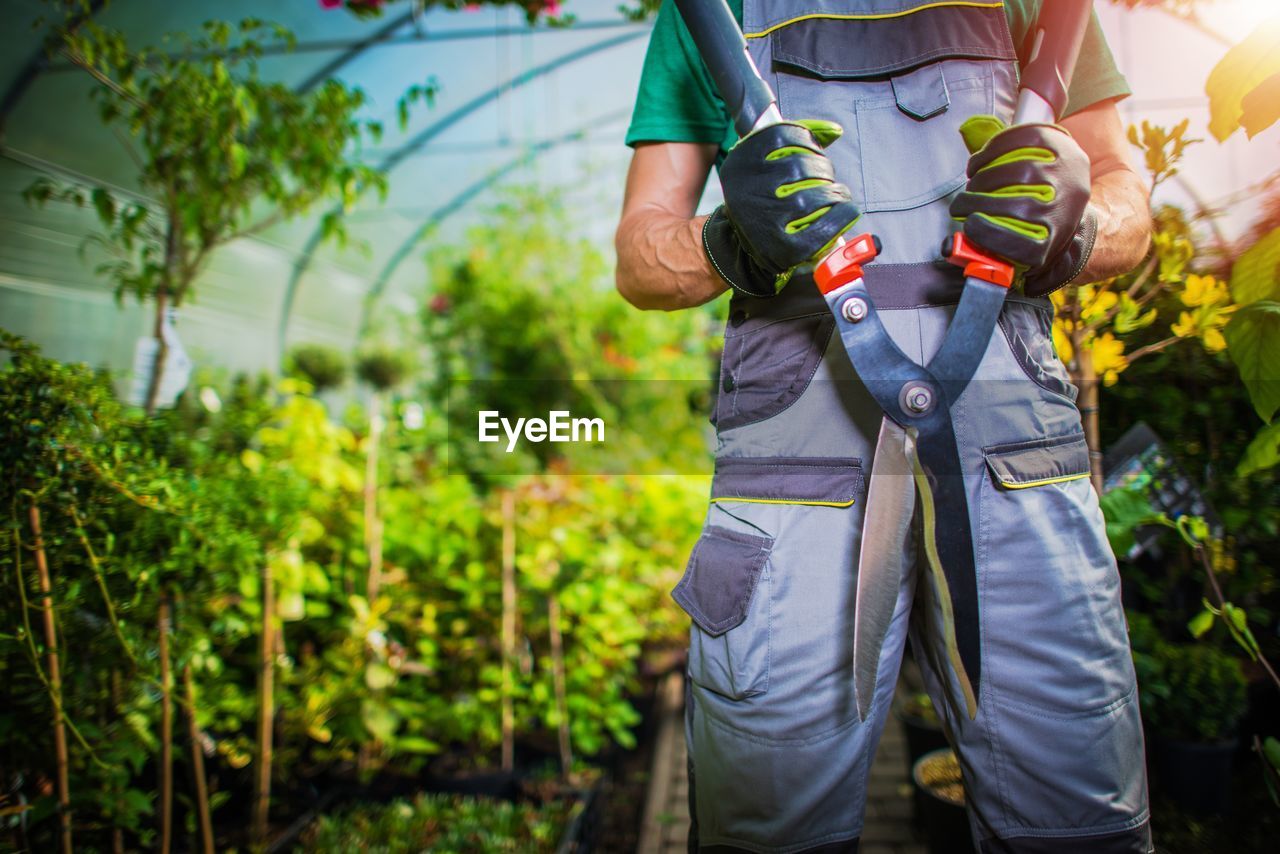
pixel 942 820
pixel 579 836
pixel 1195 775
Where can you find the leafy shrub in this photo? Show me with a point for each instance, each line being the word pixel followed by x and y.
pixel 1201 696
pixel 382 369
pixel 324 367
pixel 441 823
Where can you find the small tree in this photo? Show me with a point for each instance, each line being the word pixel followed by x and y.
pixel 224 153
pixel 1093 320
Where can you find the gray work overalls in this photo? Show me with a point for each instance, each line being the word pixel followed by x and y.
pixel 779 759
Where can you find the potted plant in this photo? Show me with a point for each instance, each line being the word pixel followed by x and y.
pixel 1192 721
pixel 940 803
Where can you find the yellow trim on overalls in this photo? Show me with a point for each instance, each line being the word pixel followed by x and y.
pixel 1007 485
pixel 848 503
pixel 877 16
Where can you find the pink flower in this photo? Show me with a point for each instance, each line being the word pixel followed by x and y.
pixel 330 4
pixel 552 9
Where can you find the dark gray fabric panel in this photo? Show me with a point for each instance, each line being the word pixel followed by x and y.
pixel 1041 459
pixel 763 372
pixel 1135 841
pixel 799 479
pixel 892 286
pixel 885 46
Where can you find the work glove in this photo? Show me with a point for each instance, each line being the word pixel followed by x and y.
pixel 782 206
pixel 1027 200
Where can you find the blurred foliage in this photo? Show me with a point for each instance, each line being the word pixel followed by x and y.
pixel 382 369
pixel 324 367
pixel 1095 322
pixel 548 10
pixel 1244 87
pixel 441 823
pixel 1192 692
pixel 195 503
pixel 523 319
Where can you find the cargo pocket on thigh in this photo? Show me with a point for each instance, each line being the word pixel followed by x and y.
pixel 1053 625
pixel 725 590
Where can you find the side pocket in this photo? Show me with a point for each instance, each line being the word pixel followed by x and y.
pixel 1028 329
pixel 725 590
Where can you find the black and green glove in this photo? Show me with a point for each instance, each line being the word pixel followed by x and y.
pixel 1027 200
pixel 782 206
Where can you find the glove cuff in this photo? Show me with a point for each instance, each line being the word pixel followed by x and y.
pixel 1069 263
pixel 731 261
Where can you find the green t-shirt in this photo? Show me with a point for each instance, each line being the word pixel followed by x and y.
pixel 677 101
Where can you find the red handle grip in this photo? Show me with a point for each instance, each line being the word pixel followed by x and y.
pixel 845 264
pixel 960 251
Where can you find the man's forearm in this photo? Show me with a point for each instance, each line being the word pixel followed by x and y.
pixel 661 262
pixel 1122 203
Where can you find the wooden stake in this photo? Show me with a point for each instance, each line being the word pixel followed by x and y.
pixel 197 763
pixel 558 681
pixel 508 628
pixel 372 524
pixel 117 697
pixel 55 682
pixel 372 544
pixel 166 727
pixel 1089 398
pixel 266 712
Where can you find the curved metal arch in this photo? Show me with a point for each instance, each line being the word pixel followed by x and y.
pixel 349 55
pixel 34 66
pixel 460 201
pixel 39 61
pixel 420 140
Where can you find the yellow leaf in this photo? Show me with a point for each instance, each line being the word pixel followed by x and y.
pixel 1244 69
pixel 1108 356
pixel 1062 341
pixel 1096 308
pixel 1186 325
pixel 252 460
pixel 1203 290
pixel 1261 106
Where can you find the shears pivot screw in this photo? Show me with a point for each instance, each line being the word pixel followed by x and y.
pixel 918 398
pixel 854 309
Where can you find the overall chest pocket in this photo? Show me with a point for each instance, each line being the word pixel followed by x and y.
pixel 901 78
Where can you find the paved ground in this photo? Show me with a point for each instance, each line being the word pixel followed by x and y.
pixel 666 818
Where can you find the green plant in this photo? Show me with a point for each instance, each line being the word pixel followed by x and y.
pixel 1206 693
pixel 442 823
pixel 382 369
pixel 1095 322
pixel 323 367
